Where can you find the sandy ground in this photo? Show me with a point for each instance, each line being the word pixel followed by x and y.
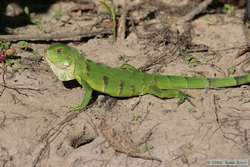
pixel 37 128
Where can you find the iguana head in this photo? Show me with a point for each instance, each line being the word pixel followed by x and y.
pixel 61 59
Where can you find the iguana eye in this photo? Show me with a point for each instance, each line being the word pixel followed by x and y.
pixel 59 50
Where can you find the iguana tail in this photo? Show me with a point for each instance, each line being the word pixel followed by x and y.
pixel 180 82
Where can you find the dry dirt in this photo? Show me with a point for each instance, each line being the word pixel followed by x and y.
pixel 38 129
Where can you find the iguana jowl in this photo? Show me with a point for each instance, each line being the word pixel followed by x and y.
pixel 125 81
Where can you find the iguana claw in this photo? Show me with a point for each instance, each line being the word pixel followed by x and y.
pixel 184 97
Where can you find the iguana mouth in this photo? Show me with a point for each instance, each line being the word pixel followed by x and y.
pixel 62 71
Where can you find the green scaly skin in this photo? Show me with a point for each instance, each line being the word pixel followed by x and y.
pixel 126 81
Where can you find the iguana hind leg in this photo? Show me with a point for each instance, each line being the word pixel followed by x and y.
pixel 169 93
pixel 86 99
pixel 128 67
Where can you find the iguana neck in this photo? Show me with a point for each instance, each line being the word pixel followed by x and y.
pixel 82 67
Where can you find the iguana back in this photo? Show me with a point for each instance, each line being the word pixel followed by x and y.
pixel 126 82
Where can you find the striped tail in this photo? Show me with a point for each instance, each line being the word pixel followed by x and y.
pixel 181 82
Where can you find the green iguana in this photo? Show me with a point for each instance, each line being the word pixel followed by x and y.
pixel 126 81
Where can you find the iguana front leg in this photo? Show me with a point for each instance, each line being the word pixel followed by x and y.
pixel 86 98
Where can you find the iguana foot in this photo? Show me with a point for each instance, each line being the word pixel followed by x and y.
pixel 78 108
pixel 184 97
pixel 128 67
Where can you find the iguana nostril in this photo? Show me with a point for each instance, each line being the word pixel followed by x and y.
pixel 59 50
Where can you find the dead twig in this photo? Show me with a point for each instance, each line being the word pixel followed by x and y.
pixel 3 78
pixel 243 51
pixel 222 123
pixel 42 153
pixel 50 136
pixel 53 132
pixel 147 136
pixel 120 141
pixel 170 56
pixel 18 89
pixel 201 7
pixel 122 22
pixel 58 36
pixel 135 104
pixel 216 110
pixel 2 123
pixel 247 139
